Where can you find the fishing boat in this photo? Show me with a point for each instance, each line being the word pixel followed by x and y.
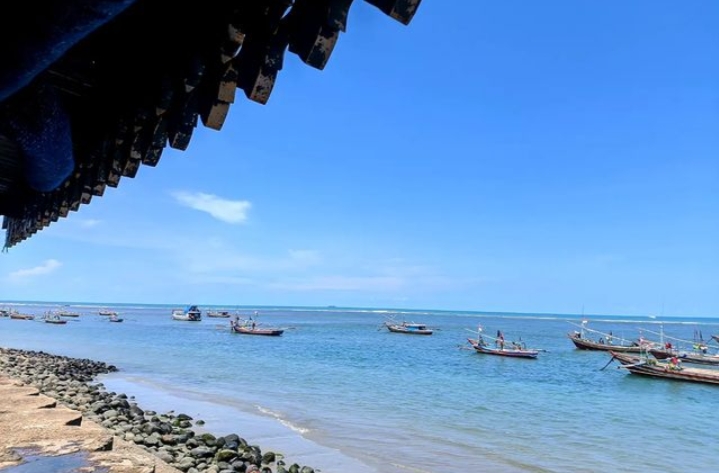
pixel 481 346
pixel 54 318
pixel 688 351
pixel 715 338
pixel 68 313
pixel 223 314
pixel 411 328
pixel 107 312
pixel 692 357
pixel 499 347
pixel 189 314
pixel 606 341
pixel 114 318
pixel 252 327
pixel 643 365
pixel 20 316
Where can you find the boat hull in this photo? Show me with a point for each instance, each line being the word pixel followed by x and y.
pixel 409 329
pixel 693 358
pixel 186 317
pixel 506 352
pixel 267 332
pixel 190 314
pixel 218 315
pixel 586 344
pixel 658 369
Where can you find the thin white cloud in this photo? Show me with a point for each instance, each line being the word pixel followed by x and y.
pixel 88 223
pixel 344 283
pixel 47 267
pixel 230 211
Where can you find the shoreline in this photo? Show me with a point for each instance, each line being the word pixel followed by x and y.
pixel 221 414
pixel 69 390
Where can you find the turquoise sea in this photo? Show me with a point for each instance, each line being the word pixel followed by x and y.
pixel 342 394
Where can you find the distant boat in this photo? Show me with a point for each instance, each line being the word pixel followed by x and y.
pixel 218 313
pixel 190 314
pixel 114 318
pixel 68 313
pixel 19 316
pixel 106 312
pixel 252 327
pixel 53 318
pixel 481 346
pixel 411 328
pixel 501 347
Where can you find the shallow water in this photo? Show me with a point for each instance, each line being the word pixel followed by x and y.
pixel 70 463
pixel 340 393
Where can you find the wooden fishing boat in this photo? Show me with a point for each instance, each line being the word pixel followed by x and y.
pixel 224 314
pixel 68 313
pixel 53 318
pixel 606 341
pixel 114 318
pixel 513 351
pixel 20 316
pixel 642 365
pixel 248 330
pixel 190 314
pixel 411 328
pixel 693 357
pixel 107 312
pixel 688 351
pixel 251 327
pixel 587 344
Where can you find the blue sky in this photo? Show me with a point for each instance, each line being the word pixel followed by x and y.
pixel 552 156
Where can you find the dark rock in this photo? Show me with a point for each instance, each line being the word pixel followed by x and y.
pixel 225 455
pixel 201 452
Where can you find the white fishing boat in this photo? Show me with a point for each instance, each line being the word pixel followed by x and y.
pixel 189 314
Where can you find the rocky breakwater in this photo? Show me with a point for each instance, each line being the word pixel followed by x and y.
pixel 168 436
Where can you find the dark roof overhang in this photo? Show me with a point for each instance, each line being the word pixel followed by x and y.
pixel 91 90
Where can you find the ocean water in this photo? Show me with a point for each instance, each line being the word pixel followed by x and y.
pixel 340 393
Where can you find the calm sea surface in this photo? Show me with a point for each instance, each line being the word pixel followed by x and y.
pixel 341 394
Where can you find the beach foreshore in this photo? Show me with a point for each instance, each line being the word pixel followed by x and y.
pixel 51 405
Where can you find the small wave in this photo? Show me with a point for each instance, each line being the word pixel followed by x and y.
pixel 282 421
pixel 400 466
